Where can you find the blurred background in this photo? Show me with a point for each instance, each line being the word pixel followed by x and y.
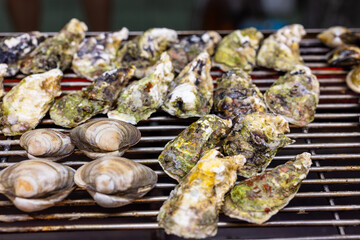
pixel 139 15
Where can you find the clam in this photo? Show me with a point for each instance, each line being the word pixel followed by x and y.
pixel 103 136
pixel 46 143
pixel 115 181
pixel 37 184
pixel 337 36
pixel 344 56
pixel 353 79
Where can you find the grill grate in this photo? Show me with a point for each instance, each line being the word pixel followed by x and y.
pixel 326 207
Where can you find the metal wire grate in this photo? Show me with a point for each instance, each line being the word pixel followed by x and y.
pixel 326 207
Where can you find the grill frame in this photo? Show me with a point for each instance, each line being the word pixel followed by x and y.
pixel 334 164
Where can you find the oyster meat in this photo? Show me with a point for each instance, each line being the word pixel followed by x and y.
pixel 103 136
pixel 281 49
pixel 337 36
pixel 237 96
pixel 13 49
pixel 258 198
pixel 142 98
pixel 115 181
pixel 27 103
pixel 145 50
pixel 74 109
pixel 294 96
pixel 3 72
pixel 353 79
pixel 96 55
pixel 191 93
pixel 190 47
pixel 36 184
pixel 192 209
pixel 344 56
pixel 238 50
pixel 258 137
pixel 46 143
pixel 182 153
pixel 56 51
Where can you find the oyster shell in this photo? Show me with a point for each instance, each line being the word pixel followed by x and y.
pixel 281 49
pixel 337 36
pixel 103 136
pixel 142 98
pixel 238 49
pixel 294 96
pixel 190 47
pixel 344 56
pixel 13 49
pixel 74 109
pixel 56 51
pixel 46 143
pixel 145 50
pixel 191 93
pixel 27 103
pixel 182 153
pixel 258 198
pixel 259 136
pixel 353 79
pixel 115 181
pixel 96 55
pixel 3 72
pixel 237 96
pixel 193 207
pixel 36 184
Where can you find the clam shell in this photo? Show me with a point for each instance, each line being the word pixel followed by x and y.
pixel 37 184
pixel 103 136
pixel 115 181
pixel 353 79
pixel 46 143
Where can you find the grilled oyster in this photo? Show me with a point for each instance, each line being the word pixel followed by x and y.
pixel 56 51
pixel 115 181
pixel 103 136
pixel 259 136
pixel 281 49
pixel 46 143
pixel 142 98
pixel 344 56
pixel 193 207
pixel 13 49
pixel 191 93
pixel 96 55
pixel 190 47
pixel 353 79
pixel 294 96
pixel 145 50
pixel 259 198
pixel 27 103
pixel 237 96
pixel 238 49
pixel 74 109
pixel 337 36
pixel 182 153
pixel 3 72
pixel 37 184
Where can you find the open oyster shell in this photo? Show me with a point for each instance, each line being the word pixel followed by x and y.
pixel 3 72
pixel 258 137
pixel 74 109
pixel 237 96
pixel 142 98
pixel 193 207
pixel 191 93
pixel 37 184
pixel 103 136
pixel 182 153
pixel 27 103
pixel 56 51
pixel 13 49
pixel 294 96
pixel 96 55
pixel 238 49
pixel 190 47
pixel 344 56
pixel 115 181
pixel 281 49
pixel 353 79
pixel 46 143
pixel 258 198
pixel 337 36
